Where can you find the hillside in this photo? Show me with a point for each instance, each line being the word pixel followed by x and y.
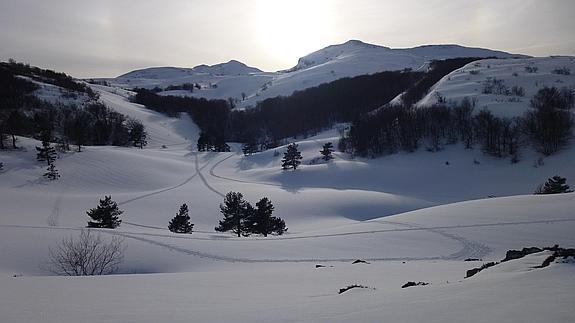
pixel 529 75
pixel 249 85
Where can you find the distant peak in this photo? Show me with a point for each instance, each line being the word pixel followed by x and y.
pixel 354 42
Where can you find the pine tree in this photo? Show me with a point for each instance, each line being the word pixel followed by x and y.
pixel 46 153
pixel 292 157
pixel 181 222
pixel 52 172
pixel 262 221
pixel 554 185
pixel 236 211
pixel 105 215
pixel 327 151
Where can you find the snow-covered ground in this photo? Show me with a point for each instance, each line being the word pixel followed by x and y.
pixel 353 58
pixel 529 74
pixel 412 216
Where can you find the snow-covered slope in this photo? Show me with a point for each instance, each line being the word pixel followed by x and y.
pixel 393 212
pixel 249 85
pixel 529 74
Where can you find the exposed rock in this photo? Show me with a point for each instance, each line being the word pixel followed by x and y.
pixel 411 284
pixel 474 271
pixel 516 254
pixel 345 289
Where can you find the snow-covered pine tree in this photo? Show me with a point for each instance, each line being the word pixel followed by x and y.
pixel 327 151
pixel 554 185
pixel 52 172
pixel 105 215
pixel 292 157
pixel 236 211
pixel 262 221
pixel 181 222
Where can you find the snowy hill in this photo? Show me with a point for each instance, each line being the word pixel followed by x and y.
pixel 513 83
pixel 249 85
pixel 393 212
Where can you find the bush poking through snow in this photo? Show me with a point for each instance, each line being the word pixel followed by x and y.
pixel 87 255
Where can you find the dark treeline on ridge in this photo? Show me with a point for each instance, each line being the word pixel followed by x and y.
pixel 24 114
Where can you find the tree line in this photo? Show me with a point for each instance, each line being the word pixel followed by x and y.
pixel 547 126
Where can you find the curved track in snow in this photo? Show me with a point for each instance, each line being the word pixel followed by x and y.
pixel 470 248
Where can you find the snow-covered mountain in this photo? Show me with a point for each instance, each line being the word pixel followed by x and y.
pixel 249 85
pixel 232 67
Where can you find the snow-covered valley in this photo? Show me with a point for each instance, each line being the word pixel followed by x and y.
pixel 413 217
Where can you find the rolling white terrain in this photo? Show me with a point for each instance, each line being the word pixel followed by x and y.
pixel 413 217
pixel 353 58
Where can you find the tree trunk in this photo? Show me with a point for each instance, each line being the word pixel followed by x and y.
pixel 14 142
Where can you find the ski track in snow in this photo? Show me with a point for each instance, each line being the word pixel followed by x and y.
pixel 204 181
pixel 471 249
pixel 186 181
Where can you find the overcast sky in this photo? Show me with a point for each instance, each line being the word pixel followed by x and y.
pixel 104 38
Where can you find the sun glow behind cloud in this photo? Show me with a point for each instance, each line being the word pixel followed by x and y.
pixel 287 30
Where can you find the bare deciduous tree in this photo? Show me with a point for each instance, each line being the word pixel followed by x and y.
pixel 87 255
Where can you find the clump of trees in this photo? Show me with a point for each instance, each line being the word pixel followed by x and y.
pixel 549 123
pixel 211 143
pixel 241 218
pixel 554 185
pixel 292 157
pixel 137 133
pixel 88 254
pixel 181 222
pixel 105 215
